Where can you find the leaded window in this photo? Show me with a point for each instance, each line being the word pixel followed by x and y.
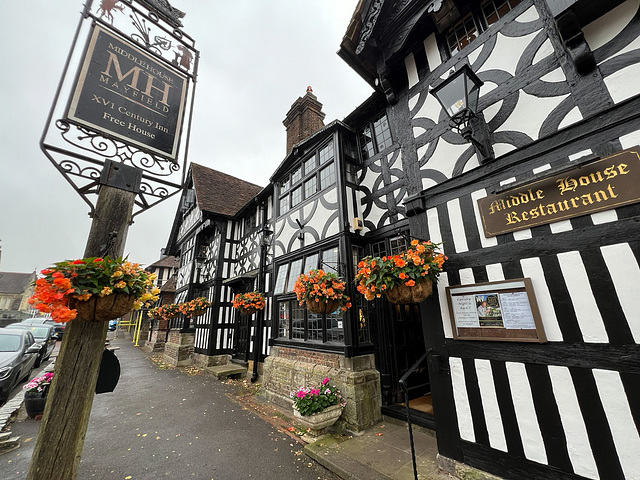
pixel 375 136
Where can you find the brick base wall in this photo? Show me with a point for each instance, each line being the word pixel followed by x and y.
pixel 286 369
pixel 179 349
pixel 204 361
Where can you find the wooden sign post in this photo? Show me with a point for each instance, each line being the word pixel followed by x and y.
pixel 66 416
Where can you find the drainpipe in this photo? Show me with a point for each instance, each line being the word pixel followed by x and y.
pixel 257 336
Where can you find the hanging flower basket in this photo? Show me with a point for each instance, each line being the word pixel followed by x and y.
pixel 322 307
pixel 405 278
pixel 197 313
pixel 102 309
pixel 248 303
pixel 247 310
pixel 93 289
pixel 323 292
pixel 403 295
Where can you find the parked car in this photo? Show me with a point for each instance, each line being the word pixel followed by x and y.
pixel 18 354
pixel 59 327
pixel 113 324
pixel 45 335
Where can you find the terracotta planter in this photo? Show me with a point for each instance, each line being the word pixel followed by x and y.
pixel 320 420
pixel 403 295
pixel 34 403
pixel 101 309
pixel 247 310
pixel 322 307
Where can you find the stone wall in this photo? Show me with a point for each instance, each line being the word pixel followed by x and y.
pixel 179 348
pixel 204 361
pixel 286 369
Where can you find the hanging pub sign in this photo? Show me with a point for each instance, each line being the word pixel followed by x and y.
pixel 601 185
pixel 501 311
pixel 128 94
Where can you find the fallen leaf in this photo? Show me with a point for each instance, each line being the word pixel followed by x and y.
pixel 379 434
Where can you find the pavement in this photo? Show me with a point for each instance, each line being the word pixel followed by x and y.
pixel 171 422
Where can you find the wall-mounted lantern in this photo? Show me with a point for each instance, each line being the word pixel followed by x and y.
pixel 459 96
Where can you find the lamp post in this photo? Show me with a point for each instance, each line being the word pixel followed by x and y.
pixel 459 95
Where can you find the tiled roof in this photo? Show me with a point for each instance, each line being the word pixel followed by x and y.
pixel 166 261
pixel 15 283
pixel 169 285
pixel 220 193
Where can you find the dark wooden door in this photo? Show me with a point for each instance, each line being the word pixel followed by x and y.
pixel 241 343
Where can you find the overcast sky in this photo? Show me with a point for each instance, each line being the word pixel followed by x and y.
pixel 256 58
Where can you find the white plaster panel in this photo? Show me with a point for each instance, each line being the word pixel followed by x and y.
pixel 529 15
pixel 430 109
pixel 584 303
pixel 623 84
pixel 444 156
pixel 625 274
pixel 466 276
pixel 457 226
pixel 492 110
pixel 621 422
pixel 461 400
pixel 472 163
pixel 432 51
pixel 580 154
pixel 524 234
pixel 561 226
pixel 574 116
pixel 532 268
pixel 492 416
pixel 526 413
pixel 486 242
pixel 578 446
pixel 434 227
pixel 541 168
pixel 543 52
pixel 607 216
pixel 413 101
pixel 530 113
pixel 428 183
pixel 554 76
pixel 631 139
pixel 412 71
pixel 507 181
pixel 443 283
pixel 500 149
pixel 507 52
pixel 495 272
pixel 609 25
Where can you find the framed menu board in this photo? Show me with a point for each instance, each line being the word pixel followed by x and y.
pixel 504 311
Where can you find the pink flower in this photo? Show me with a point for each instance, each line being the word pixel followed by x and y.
pixel 325 381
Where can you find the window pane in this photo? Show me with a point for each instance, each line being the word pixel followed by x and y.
pixel 311 263
pixel 383 133
pixel 284 204
pixel 310 187
pixel 296 267
pixel 352 176
pixel 326 153
pixel 284 185
pixel 310 165
pixel 335 330
pixel 315 326
pixel 397 245
pixel 461 34
pixel 327 176
pixel 283 319
pixel 330 260
pixel 281 278
pixel 296 196
pixel 297 321
pixel 366 143
pixel 296 176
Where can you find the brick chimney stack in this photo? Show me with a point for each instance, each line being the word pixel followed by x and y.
pixel 304 118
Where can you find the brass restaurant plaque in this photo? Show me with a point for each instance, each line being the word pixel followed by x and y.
pixel 602 185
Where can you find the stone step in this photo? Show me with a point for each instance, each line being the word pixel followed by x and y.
pixel 5 436
pixel 9 444
pixel 222 372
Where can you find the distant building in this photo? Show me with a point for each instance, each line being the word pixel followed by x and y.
pixel 15 290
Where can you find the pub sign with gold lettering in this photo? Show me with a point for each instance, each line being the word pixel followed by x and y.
pixel 602 185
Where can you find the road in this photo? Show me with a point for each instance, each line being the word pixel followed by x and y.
pixel 165 423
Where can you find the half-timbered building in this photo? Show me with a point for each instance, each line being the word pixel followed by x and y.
pixel 535 186
pixel 557 96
